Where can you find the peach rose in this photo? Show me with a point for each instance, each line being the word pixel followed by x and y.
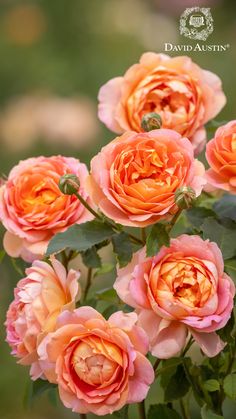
pixel 221 156
pixel 184 95
pixel 182 289
pixel 99 364
pixel 134 178
pixel 39 299
pixel 33 209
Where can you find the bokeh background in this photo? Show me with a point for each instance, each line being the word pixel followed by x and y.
pixel 54 56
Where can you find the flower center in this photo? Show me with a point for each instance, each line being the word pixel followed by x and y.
pixel 184 280
pixel 92 367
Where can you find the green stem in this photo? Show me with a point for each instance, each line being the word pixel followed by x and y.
pixel 109 222
pixel 141 409
pixel 144 236
pixel 174 219
pixel 156 364
pixel 188 346
pixel 83 416
pixel 87 206
pixel 183 409
pixel 88 283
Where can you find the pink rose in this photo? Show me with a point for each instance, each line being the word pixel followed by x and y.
pixel 221 156
pixel 99 364
pixel 183 94
pixel 33 209
pixel 134 178
pixel 182 289
pixel 39 298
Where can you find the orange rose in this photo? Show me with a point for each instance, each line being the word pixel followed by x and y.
pixel 221 156
pixel 184 95
pixel 134 178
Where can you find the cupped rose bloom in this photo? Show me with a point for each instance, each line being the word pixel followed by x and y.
pixel 39 298
pixel 221 156
pixel 32 207
pixel 183 94
pixel 99 364
pixel 182 289
pixel 134 178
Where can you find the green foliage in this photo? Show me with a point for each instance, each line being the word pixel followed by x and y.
pixel 122 248
pixel 91 258
pixel 163 412
pixel 223 235
pixel 226 332
pixel 2 255
pixel 122 413
pixel 208 414
pixel 229 386
pixel 226 207
pixel 211 385
pixel 107 294
pixel 230 267
pixel 157 237
pixel 81 237
pixel 35 389
pixel 178 385
pixel 197 215
pixel 104 269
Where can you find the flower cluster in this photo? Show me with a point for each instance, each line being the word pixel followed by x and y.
pixel 172 287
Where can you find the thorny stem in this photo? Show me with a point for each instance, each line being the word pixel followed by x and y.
pixel 88 283
pixel 141 409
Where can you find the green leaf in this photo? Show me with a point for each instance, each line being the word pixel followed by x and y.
pixel 16 266
pixel 80 237
pixel 107 294
pixel 168 368
pixel 226 333
pixel 157 237
pixel 230 267
pixel 162 411
pixel 208 414
pixel 91 258
pixel 122 413
pixel 105 268
pixel 2 254
pixel 177 386
pixel 230 386
pixel 109 311
pixel 197 215
pixel 211 385
pixel 36 389
pixel 122 248
pixel 224 236
pixel 226 207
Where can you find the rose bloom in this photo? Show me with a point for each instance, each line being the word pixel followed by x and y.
pixel 182 289
pixel 99 364
pixel 221 156
pixel 39 298
pixel 32 207
pixel 183 94
pixel 134 178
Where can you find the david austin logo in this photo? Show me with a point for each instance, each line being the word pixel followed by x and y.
pixel 196 23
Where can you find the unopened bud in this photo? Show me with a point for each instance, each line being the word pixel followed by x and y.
pixel 151 121
pixel 69 184
pixel 185 197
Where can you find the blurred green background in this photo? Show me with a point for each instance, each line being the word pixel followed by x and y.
pixel 54 57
